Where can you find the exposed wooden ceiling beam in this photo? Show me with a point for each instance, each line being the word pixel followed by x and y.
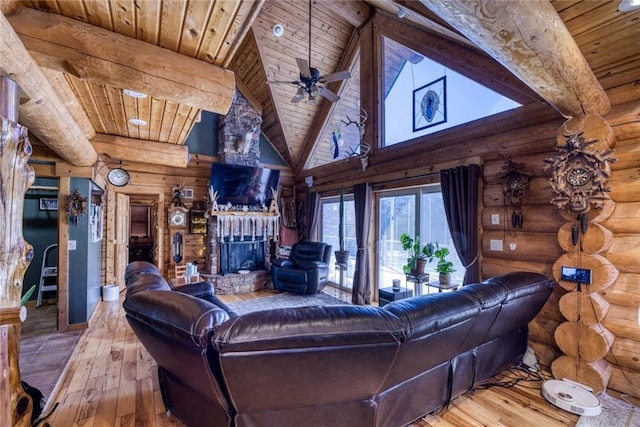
pixel 44 114
pixel 530 40
pixel 138 150
pixel 102 56
pixel 411 15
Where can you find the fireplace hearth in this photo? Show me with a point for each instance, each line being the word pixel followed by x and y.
pixel 239 241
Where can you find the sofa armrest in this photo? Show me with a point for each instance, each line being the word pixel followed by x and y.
pixel 205 291
pixel 200 289
pixel 313 265
pixel 282 262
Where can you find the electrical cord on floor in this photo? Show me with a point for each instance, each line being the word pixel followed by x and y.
pixel 516 375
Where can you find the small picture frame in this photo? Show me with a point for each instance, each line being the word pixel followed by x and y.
pixel 48 204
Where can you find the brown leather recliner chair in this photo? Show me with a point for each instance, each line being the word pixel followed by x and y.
pixel 306 271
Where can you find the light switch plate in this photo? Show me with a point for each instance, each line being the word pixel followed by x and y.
pixel 72 245
pixel 495 219
pixel 495 245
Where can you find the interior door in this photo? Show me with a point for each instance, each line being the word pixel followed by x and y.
pixel 122 237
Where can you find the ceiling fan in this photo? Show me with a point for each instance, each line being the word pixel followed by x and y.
pixel 310 80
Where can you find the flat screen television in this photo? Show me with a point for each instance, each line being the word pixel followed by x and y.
pixel 243 185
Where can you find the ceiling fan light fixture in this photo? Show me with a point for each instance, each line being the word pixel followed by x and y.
pixel 313 99
pixel 300 93
pixel 314 91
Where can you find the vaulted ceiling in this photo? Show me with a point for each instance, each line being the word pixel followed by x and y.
pixel 188 56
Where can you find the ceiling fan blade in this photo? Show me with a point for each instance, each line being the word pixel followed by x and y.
pixel 328 94
pixel 283 82
pixel 303 65
pixel 334 77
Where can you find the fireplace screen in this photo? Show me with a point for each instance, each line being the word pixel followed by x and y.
pixel 238 255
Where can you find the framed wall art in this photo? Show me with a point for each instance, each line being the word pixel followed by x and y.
pixel 48 204
pixel 430 104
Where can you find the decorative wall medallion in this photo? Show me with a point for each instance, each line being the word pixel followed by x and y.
pixel 579 175
pixel 430 104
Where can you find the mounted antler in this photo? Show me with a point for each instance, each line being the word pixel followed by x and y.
pixel 359 124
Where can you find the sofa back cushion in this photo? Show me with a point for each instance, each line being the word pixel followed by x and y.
pixel 435 326
pixel 303 253
pixel 176 328
pixel 330 354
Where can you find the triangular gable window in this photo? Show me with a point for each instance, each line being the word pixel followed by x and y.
pixel 424 97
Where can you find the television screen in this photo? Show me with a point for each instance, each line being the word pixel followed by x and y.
pixel 578 275
pixel 243 185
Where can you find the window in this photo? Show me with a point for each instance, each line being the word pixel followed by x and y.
pixel 422 96
pixel 329 224
pixel 418 211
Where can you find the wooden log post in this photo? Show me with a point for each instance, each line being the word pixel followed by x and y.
pixel 583 338
pixel 15 254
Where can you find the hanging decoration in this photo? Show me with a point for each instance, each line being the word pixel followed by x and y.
pixel 430 104
pixel 515 188
pixel 361 151
pixel 579 175
pixel 76 205
pixel 336 143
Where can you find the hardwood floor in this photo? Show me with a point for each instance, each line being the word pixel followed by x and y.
pixel 111 381
pixel 44 352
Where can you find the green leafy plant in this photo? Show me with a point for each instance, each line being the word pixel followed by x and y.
pixel 444 266
pixel 416 251
pixel 27 295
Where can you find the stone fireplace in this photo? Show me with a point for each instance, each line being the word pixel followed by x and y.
pixel 240 240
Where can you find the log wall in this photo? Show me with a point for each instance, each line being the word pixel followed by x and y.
pixel 538 247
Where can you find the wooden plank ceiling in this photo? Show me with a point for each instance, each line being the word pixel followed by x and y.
pixel 237 35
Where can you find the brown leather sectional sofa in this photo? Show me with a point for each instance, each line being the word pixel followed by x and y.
pixel 332 365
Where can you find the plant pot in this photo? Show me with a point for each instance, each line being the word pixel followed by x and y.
pixel 445 278
pixel 342 257
pixel 421 266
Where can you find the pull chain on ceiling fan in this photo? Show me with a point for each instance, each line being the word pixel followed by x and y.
pixel 310 79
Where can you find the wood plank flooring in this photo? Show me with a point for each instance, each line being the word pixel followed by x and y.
pixel 44 352
pixel 111 381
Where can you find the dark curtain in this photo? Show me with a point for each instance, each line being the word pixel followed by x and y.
pixel 312 208
pixel 362 202
pixel 460 188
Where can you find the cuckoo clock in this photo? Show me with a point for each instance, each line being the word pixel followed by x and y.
pixel 579 177
pixel 515 188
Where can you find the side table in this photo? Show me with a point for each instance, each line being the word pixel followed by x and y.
pixel 418 280
pixel 386 295
pixel 342 267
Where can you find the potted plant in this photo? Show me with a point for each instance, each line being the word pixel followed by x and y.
pixel 418 256
pixel 342 256
pixel 444 266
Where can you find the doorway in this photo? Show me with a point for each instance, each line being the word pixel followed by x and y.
pixel 141 240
